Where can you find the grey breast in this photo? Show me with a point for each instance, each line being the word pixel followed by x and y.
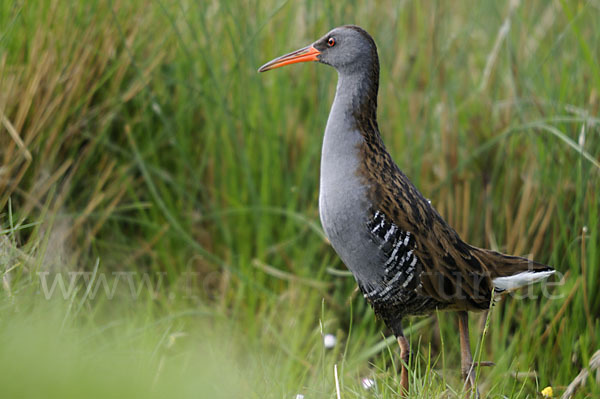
pixel 343 205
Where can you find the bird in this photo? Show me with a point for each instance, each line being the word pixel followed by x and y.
pixel 406 259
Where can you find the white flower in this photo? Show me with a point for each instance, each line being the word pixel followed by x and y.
pixel 368 383
pixel 329 341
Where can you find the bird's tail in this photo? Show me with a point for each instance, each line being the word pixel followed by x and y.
pixel 511 272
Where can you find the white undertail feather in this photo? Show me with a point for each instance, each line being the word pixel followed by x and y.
pixel 520 280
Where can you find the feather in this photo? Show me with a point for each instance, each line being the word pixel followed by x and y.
pixel 450 273
pixel 520 280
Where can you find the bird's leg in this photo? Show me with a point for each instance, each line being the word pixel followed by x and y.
pixel 404 354
pixel 466 359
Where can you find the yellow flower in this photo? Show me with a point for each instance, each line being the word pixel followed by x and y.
pixel 547 392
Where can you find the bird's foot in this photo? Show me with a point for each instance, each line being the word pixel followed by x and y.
pixel 470 386
pixel 469 371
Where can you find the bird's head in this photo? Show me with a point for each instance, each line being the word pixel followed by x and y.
pixel 347 48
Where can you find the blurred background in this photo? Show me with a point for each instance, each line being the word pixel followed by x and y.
pixel 159 229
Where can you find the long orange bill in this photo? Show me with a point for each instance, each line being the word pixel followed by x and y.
pixel 308 53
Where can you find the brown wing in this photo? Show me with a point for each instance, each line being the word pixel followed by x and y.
pixel 452 271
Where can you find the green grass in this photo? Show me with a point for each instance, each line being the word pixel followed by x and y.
pixel 137 137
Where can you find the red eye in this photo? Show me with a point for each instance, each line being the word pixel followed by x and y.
pixel 331 42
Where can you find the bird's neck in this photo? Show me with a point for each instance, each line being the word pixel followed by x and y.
pixel 352 121
pixel 351 131
pixel 356 97
pixel 354 108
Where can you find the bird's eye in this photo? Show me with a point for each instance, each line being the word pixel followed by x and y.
pixel 331 42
